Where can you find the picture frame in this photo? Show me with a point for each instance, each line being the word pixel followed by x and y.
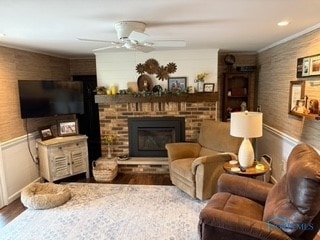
pixel 68 128
pixel 308 66
pixel 315 65
pixel 46 133
pixel 296 98
pixel 305 67
pixel 176 84
pixel 208 87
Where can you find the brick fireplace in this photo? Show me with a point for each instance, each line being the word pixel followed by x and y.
pixel 114 112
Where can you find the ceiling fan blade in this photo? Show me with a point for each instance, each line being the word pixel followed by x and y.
pixel 138 36
pixel 169 43
pixel 96 40
pixel 107 47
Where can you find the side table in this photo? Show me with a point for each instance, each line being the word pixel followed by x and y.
pixel 250 172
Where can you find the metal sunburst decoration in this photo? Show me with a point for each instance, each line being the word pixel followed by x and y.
pixel 140 68
pixel 151 66
pixel 163 73
pixel 172 67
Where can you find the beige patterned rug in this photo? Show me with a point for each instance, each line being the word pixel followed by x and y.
pixel 112 212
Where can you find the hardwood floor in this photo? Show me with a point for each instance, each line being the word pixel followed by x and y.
pixel 15 208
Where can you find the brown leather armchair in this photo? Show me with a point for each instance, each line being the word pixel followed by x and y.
pixel 246 208
pixel 196 167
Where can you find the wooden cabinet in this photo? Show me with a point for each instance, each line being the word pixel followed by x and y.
pixel 63 157
pixel 238 93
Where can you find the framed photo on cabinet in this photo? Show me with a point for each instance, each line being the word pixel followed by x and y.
pixel 46 133
pixel 67 128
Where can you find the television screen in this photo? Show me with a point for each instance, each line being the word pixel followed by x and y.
pixel 44 98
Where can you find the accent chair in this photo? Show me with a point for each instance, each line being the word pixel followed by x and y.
pixel 196 167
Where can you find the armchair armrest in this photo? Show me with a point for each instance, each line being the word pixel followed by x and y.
pixel 213 160
pixel 244 186
pixel 236 226
pixel 207 170
pixel 182 150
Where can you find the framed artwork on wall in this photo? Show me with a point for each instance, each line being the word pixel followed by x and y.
pixel 297 103
pixel 68 128
pixel 308 66
pixel 315 65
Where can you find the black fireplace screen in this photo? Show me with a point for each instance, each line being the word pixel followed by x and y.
pixel 155 139
pixel 148 136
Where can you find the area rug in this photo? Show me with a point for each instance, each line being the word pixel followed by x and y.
pixel 112 212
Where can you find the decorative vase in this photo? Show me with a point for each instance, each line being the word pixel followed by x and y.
pixel 200 86
pixel 109 151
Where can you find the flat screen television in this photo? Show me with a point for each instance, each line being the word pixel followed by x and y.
pixel 44 98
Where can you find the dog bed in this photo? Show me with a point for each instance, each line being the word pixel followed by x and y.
pixel 44 195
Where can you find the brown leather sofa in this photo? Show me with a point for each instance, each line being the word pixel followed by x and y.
pixel 196 167
pixel 246 208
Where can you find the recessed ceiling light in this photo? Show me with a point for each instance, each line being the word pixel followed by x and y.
pixel 283 23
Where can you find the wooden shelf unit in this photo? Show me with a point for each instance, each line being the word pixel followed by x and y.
pixel 238 87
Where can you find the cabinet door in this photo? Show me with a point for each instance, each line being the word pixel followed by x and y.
pixel 60 166
pixel 78 161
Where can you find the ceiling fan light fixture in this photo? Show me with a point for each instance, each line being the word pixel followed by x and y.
pixel 124 28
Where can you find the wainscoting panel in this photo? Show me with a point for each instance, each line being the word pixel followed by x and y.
pixel 278 146
pixel 19 170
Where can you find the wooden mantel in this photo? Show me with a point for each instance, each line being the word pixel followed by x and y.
pixel 192 97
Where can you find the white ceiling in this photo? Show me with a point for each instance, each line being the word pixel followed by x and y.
pixel 53 26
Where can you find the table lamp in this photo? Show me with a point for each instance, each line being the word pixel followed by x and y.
pixel 246 125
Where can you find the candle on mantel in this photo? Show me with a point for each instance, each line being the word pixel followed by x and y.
pixel 114 90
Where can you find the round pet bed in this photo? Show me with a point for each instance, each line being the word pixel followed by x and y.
pixel 44 195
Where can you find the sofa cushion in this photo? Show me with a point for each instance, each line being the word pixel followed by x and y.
pixel 183 168
pixel 239 205
pixel 211 129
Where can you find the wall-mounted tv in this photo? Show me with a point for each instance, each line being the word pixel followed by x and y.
pixel 44 98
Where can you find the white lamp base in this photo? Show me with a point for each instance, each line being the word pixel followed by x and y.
pixel 246 154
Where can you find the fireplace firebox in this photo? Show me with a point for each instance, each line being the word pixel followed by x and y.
pixel 148 136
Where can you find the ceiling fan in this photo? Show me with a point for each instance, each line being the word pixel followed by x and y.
pixel 131 36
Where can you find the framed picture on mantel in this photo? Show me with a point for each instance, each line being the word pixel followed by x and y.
pixel 177 84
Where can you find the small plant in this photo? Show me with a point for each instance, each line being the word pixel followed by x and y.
pixel 200 77
pixel 110 139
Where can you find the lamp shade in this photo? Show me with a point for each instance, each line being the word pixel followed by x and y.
pixel 246 124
